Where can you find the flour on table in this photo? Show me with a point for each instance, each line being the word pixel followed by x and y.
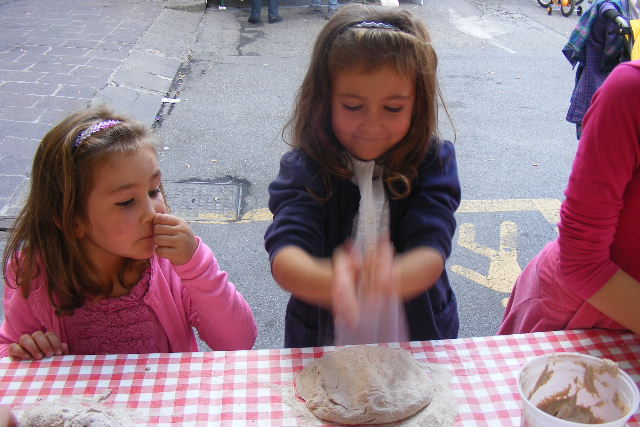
pixel 75 412
pixel 372 385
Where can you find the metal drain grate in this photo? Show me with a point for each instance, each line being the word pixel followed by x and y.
pixel 202 201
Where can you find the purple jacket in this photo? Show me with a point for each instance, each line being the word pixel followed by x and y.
pixel 424 218
pixel 196 294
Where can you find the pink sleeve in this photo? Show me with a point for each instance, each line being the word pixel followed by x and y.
pixel 607 156
pixel 219 312
pixel 18 317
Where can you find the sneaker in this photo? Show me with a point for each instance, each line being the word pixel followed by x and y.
pixel 254 19
pixel 311 9
pixel 274 19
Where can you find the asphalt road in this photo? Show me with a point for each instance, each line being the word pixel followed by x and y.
pixel 506 86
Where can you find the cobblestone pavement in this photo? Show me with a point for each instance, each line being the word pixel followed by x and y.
pixel 58 56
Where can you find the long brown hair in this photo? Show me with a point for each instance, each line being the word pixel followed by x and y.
pixel 341 45
pixel 43 237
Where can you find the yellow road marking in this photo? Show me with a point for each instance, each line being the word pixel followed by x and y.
pixel 549 208
pixel 503 262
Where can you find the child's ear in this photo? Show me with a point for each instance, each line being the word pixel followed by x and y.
pixel 78 228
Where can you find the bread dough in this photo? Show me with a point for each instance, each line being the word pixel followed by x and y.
pixel 365 385
pixel 74 413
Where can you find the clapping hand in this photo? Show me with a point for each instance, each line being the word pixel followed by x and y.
pixel 174 238
pixel 38 345
pixel 361 282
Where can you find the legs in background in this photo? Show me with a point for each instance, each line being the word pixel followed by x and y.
pixel 256 7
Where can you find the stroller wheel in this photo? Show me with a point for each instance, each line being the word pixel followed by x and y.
pixel 579 11
pixel 567 7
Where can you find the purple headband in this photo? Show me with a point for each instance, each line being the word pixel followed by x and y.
pixel 373 24
pixel 105 124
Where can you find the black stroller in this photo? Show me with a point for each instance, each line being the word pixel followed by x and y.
pixel 601 40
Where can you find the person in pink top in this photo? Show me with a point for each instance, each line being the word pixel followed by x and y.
pixel 590 276
pixel 95 264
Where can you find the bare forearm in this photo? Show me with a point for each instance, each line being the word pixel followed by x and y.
pixel 618 299
pixel 305 276
pixel 418 270
pixel 310 278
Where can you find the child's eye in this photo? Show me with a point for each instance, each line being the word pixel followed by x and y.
pixel 154 193
pixel 125 204
pixel 394 109
pixel 352 107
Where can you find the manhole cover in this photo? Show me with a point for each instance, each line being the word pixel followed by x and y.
pixel 202 201
pixel 195 201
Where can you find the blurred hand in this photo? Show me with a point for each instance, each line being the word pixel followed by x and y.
pixel 37 346
pixel 379 277
pixel 346 273
pixel 361 284
pixel 174 239
pixel 7 418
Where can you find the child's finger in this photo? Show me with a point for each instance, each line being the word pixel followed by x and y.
pixel 16 351
pixel 345 305
pixel 42 341
pixel 54 341
pixel 166 219
pixel 65 348
pixel 164 231
pixel 29 345
pixel 384 263
pixel 165 251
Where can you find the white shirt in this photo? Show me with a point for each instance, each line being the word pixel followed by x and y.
pixel 372 218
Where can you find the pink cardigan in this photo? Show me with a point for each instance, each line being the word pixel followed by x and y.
pixel 599 220
pixel 197 294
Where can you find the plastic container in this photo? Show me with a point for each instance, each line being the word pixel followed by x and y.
pixel 604 394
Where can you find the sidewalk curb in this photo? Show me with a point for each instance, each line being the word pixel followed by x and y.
pixel 137 87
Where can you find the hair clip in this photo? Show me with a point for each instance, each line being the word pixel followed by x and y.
pixel 105 124
pixel 373 24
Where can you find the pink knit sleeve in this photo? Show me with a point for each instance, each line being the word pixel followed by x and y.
pixel 18 317
pixel 607 156
pixel 218 311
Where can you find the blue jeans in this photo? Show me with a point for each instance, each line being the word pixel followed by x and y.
pixel 333 4
pixel 256 6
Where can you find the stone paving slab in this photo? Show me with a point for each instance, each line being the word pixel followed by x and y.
pixel 60 56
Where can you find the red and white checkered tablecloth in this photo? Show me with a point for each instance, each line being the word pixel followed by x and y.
pixel 247 388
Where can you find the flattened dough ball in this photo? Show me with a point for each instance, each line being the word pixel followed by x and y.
pixel 364 385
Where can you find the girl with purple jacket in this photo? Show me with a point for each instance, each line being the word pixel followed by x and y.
pixel 366 163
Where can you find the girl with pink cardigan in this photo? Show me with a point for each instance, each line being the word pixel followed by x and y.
pixel 96 265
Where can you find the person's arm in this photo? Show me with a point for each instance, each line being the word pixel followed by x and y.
pixel 21 334
pixel 306 277
pixel 311 279
pixel 607 160
pixel 217 310
pixel 295 238
pixel 428 224
pixel 618 299
pixel 417 270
